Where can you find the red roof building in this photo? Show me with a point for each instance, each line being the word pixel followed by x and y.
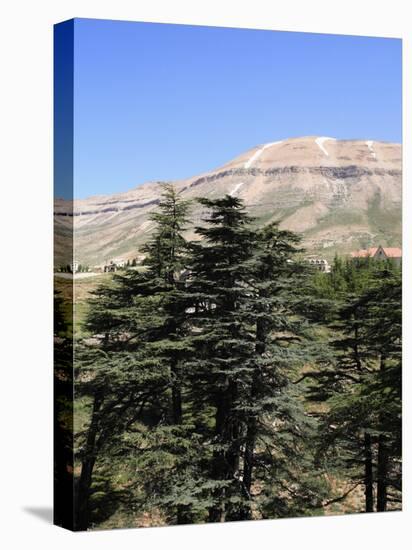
pixel 379 253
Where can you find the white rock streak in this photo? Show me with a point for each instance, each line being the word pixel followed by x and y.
pixel 320 141
pixel 370 147
pixel 236 188
pixel 251 161
pixel 257 154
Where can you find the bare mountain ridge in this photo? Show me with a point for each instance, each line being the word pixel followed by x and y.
pixel 340 194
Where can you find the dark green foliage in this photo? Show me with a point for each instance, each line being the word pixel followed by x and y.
pixel 362 385
pixel 204 370
pixel 140 326
pixel 251 340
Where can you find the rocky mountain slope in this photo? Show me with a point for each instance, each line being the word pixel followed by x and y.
pixel 340 194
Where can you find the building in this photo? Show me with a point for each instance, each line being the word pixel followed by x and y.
pixel 74 266
pixel 114 265
pixel 119 262
pixel 379 253
pixel 109 267
pixel 320 264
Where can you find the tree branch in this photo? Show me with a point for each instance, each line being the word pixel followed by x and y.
pixel 342 497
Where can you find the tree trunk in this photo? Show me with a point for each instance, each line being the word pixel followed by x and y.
pixel 249 457
pixel 368 474
pixel 382 496
pixel 225 463
pixel 175 372
pixel 250 443
pixel 183 516
pixel 88 462
pixel 382 475
pixel 217 471
pixel 176 393
pixel 232 511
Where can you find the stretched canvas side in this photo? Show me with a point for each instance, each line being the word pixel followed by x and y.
pixel 64 512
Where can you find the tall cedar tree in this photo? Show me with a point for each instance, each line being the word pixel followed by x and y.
pixel 279 432
pixel 383 390
pixel 137 383
pixel 249 345
pixel 362 387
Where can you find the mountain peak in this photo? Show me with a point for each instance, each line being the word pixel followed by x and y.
pixel 341 195
pixel 315 150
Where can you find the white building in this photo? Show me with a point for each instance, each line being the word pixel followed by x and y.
pixel 320 264
pixel 74 266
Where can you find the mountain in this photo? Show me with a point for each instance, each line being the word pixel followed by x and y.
pixel 340 194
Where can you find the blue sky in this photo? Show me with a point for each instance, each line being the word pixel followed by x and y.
pixel 164 102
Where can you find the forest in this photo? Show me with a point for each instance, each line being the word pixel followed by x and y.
pixel 226 380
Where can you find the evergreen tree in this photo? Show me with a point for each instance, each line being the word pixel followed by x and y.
pixel 279 429
pixel 249 334
pixel 141 324
pixel 361 433
pixel 195 378
pixel 383 391
pixel 225 344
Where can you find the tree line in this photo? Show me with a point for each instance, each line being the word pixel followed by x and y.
pixel 228 381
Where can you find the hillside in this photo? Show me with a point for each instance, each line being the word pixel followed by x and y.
pixel 340 194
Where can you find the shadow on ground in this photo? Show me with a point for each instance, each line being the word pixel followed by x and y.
pixel 42 512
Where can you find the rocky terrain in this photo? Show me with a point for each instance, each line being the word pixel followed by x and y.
pixel 340 194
